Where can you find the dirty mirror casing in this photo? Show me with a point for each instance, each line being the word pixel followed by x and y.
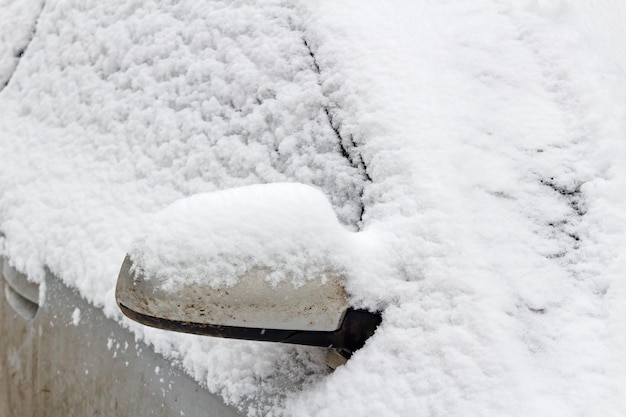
pixel 317 315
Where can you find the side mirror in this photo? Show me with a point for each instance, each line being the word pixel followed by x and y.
pixel 261 263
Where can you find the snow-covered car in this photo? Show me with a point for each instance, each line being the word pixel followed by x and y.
pixel 453 170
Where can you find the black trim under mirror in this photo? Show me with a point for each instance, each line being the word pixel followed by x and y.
pixel 356 328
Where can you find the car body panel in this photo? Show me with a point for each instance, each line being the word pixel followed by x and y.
pixel 71 360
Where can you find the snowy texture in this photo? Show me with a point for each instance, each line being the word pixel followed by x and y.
pixel 477 146
pixel 76 317
pixel 290 230
pixel 489 131
pixel 117 110
pixel 18 20
pixel 133 107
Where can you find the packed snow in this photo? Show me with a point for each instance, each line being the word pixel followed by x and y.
pixel 290 230
pixel 473 152
pixel 76 317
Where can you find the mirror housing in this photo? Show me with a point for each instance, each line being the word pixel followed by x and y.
pixel 252 304
pixel 316 314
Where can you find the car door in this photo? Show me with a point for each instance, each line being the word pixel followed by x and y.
pixel 63 357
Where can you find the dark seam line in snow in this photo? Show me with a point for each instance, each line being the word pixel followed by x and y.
pixel 315 64
pixel 20 53
pixel 357 161
pixel 355 158
pixel 574 196
pixel 574 199
pixel 536 310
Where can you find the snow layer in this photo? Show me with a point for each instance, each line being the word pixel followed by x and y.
pixel 18 23
pixel 489 131
pixel 214 239
pixel 478 146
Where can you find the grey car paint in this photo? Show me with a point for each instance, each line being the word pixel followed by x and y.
pixel 58 365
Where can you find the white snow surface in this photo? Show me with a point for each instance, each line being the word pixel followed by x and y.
pixel 19 19
pixel 474 150
pixel 290 230
pixel 76 316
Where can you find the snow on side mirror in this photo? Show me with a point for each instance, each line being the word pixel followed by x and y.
pixel 264 262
